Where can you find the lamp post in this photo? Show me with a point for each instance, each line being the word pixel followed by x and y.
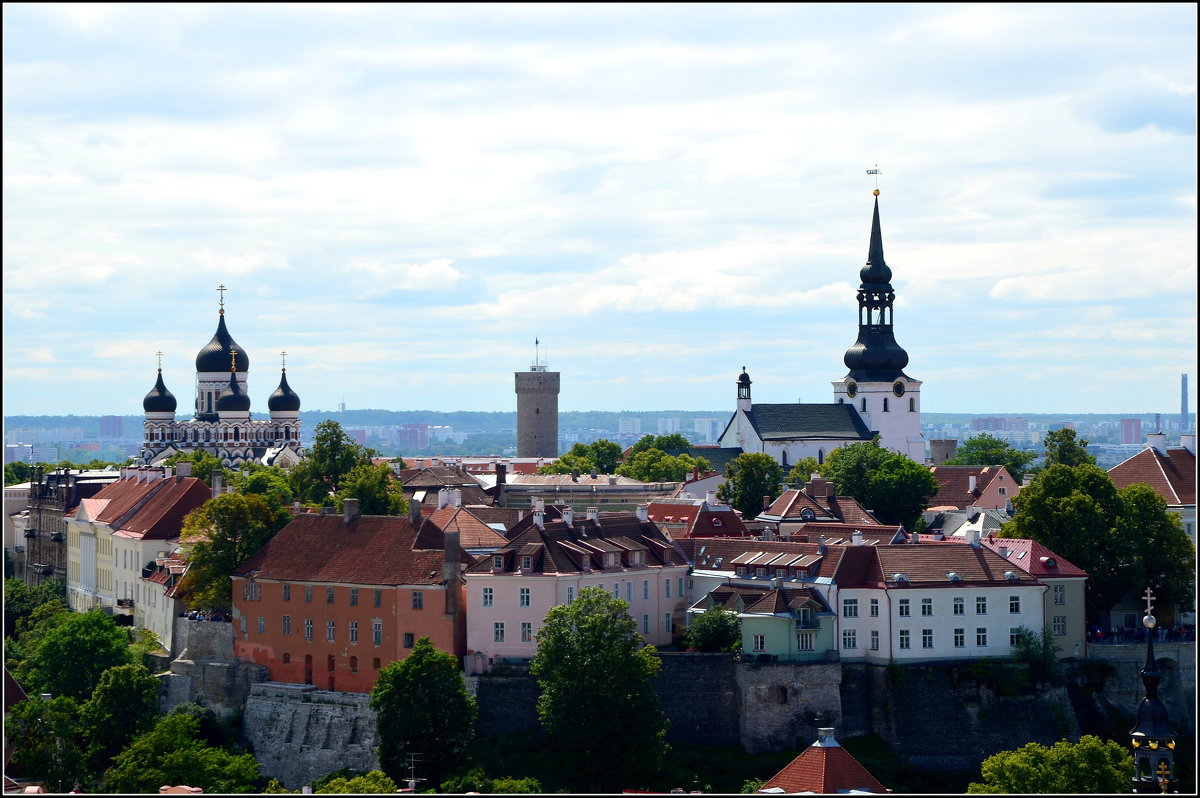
pixel 1152 738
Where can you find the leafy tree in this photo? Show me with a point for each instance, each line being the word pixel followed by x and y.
pixel 374 782
pixel 1062 448
pixel 123 705
pixel 71 657
pixel 716 629
pixel 475 780
pixel 209 729
pixel 204 465
pixel 47 741
pixel 171 753
pixel 667 443
pixel 592 668
pixel 333 455
pixel 802 471
pixel 655 465
pixel 748 478
pixel 1090 766
pixel 1038 652
pixel 20 600
pixel 16 473
pixel 265 481
pixel 600 456
pixel 985 449
pixel 223 533
pixel 422 706
pixel 895 488
pixel 372 485
pixel 1162 550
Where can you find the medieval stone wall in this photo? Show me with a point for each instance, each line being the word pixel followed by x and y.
pixel 783 704
pixel 1176 662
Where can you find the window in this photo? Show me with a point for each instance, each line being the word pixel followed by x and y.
pixel 378 598
pixel 680 592
pixel 981 636
pixel 526 562
pixel 376 632
pixel 1014 604
pixel 330 628
pixel 885 404
pixel 328 595
pixel 498 632
pixel 418 600
pixel 926 607
pixel 926 638
pixel 760 642
pixel 570 594
pixel 354 664
pixel 981 605
pixel 408 639
pixel 1060 594
pixel 904 608
pixel 805 640
pixel 849 608
pixel 874 639
pixel 616 590
pixel 905 639
pixel 667 622
pixel 489 596
pixel 667 587
pixel 308 629
pixel 645 624
pixel 524 597
pixel 353 597
pixel 849 638
pixel 1002 491
pixel 912 405
pixel 287 592
pixel 628 592
pixel 645 588
pixel 354 631
pixel 287 658
pixel 1012 637
pixel 498 562
pixel 262 625
pixel 287 624
pixel 960 638
pixel 874 608
pixel 308 593
pixel 1060 624
pixel 526 631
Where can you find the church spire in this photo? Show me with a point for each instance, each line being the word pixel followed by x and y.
pixel 875 356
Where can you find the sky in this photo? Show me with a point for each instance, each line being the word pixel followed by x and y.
pixel 405 197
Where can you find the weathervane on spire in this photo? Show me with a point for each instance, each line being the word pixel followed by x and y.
pixel 877 172
pixel 159 356
pixel 221 289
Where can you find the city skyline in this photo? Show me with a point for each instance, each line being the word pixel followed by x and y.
pixel 405 197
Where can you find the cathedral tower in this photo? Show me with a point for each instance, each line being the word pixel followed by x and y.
pixel 537 410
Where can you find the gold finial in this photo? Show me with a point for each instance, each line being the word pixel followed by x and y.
pixel 159 355
pixel 221 289
pixel 877 172
pixel 233 360
pixel 1148 597
pixel 283 357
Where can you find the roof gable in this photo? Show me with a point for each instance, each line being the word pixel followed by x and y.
pixel 1172 476
pixel 808 421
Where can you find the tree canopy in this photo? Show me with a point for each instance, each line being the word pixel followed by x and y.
pixel 802 471
pixel 172 753
pixel 655 465
pixel 422 707
pixel 333 455
pixel 20 600
pixel 374 783
pixel 204 465
pixel 375 490
pixel 715 629
pixel 47 742
pixel 593 668
pixel 1090 766
pixel 600 456
pixel 985 449
pixel 748 478
pixel 266 481
pixel 223 533
pixel 667 443
pixel 1063 448
pixel 70 659
pixel 893 487
pixel 123 705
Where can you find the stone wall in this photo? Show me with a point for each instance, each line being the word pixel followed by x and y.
pixel 221 685
pixel 1124 689
pixel 698 694
pixel 300 733
pixel 201 640
pixel 507 700
pixel 783 704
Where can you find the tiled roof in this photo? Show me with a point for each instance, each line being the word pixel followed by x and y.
pixel 696 518
pixel 800 421
pixel 561 547
pixel 839 534
pixel 954 481
pixel 370 550
pixel 791 504
pixel 436 477
pixel 1172 476
pixel 1031 556
pixel 568 479
pixel 729 549
pixel 152 510
pixel 472 532
pixel 718 457
pixel 506 516
pixel 924 565
pixel 762 599
pixel 824 769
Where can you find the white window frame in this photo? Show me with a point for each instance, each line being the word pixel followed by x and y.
pixel 488 597
pixel 849 608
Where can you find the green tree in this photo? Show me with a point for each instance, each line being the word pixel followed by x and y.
pixel 223 533
pixel 20 600
pixel 600 456
pixel 123 705
pixel 748 478
pixel 372 485
pixel 333 455
pixel 47 742
pixel 666 443
pixel 265 481
pixel 171 753
pixel 1162 550
pixel 422 707
pixel 204 465
pixel 16 473
pixel 893 487
pixel 715 629
pixel 802 471
pixel 592 668
pixel 372 783
pixel 1091 766
pixel 985 449
pixel 70 658
pixel 1062 448
pixel 655 465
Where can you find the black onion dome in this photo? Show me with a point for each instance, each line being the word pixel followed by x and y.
pixel 233 398
pixel 159 400
pixel 284 397
pixel 744 379
pixel 875 275
pixel 875 356
pixel 216 355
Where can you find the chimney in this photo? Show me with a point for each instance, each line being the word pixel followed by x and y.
pixel 643 513
pixel 821 544
pixel 695 473
pixel 818 487
pixel 349 510
pixel 766 502
pixel 592 473
pixel 1004 552
pixel 183 468
pixel 593 513
pixel 971 483
pixel 167 472
pixel 501 473
pixel 973 538
pixel 825 738
pixel 569 516
pixel 456 497
pixel 574 474
pixel 450 570
pixel 539 518
pixel 1157 441
pixel 414 511
pixel 612 479
pixel 710 497
pixel 856 538
pixel 1188 442
pixel 914 538
pixel 216 483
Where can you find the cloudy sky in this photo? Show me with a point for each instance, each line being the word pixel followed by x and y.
pixel 404 197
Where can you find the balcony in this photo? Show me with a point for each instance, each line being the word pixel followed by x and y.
pixel 57 537
pixel 125 603
pixel 31 533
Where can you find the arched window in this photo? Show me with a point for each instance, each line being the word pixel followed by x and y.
pixel 820 456
pixel 912 404
pixel 885 404
pixel 783 458
pixel 236 430
pixel 864 404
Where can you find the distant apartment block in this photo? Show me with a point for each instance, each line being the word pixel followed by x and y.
pixel 112 427
pixel 43 453
pixel 629 426
pixel 666 426
pixel 998 424
pixel 18 453
pixel 1131 430
pixel 359 436
pixel 413 436
pixel 708 428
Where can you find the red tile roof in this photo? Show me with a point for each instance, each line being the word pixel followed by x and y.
pixel 841 509
pixel 1031 556
pixel 1171 475
pixel 147 510
pixel 926 565
pixel 824 768
pixel 472 532
pixel 954 483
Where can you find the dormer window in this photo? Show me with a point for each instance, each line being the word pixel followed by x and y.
pixel 526 562
pixel 781 573
pixel 802 573
pixel 741 570
pixel 717 522
pixel 760 571
pixel 610 559
pixel 586 564
pixel 498 562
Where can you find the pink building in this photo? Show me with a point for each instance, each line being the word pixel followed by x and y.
pixel 1131 430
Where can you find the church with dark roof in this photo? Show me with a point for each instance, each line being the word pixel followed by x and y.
pixel 875 396
pixel 221 424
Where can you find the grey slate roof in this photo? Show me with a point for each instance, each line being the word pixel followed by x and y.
pixel 817 421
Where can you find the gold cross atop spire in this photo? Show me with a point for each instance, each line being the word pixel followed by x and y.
pixel 1148 597
pixel 877 172
pixel 221 289
pixel 233 360
pixel 159 355
pixel 283 357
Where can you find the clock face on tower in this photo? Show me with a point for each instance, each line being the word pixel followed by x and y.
pixel 851 389
pixel 898 388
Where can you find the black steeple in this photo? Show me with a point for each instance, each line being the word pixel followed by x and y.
pixel 159 400
pixel 1152 737
pixel 875 356
pixel 233 398
pixel 284 397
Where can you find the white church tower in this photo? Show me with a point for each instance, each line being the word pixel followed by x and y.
pixel 887 399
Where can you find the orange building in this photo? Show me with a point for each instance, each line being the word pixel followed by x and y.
pixel 332 599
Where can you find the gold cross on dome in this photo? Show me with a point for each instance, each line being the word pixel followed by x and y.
pixel 221 289
pixel 1148 597
pixel 283 357
pixel 159 355
pixel 233 360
